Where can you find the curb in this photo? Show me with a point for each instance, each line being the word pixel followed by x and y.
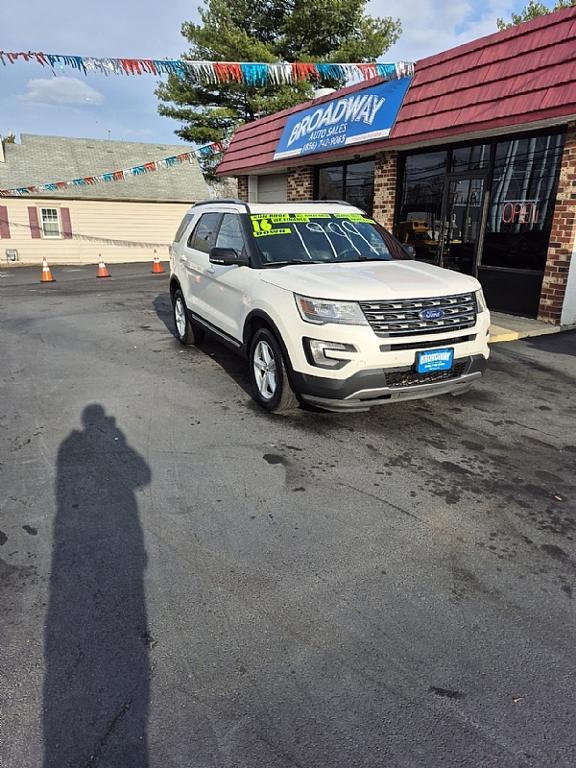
pixel 499 334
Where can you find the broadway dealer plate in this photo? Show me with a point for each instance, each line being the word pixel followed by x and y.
pixel 434 360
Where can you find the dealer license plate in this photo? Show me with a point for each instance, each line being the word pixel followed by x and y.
pixel 434 360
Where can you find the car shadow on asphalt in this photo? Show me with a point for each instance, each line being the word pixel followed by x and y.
pixel 163 308
pixel 96 643
pixel 233 364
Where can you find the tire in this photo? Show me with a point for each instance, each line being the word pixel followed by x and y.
pixel 270 384
pixel 186 333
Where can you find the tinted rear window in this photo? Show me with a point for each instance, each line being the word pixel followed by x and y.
pixel 182 228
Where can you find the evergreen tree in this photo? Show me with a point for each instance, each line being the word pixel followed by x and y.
pixel 532 11
pixel 267 31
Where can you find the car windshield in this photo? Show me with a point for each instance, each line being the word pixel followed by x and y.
pixel 314 238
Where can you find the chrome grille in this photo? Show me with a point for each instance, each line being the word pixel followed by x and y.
pixel 389 319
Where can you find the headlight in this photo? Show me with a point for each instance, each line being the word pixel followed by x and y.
pixel 481 305
pixel 320 312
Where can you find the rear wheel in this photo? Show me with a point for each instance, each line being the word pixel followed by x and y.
pixel 186 333
pixel 270 382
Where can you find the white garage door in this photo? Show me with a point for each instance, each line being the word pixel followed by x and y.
pixel 273 188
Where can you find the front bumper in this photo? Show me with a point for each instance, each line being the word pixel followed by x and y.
pixel 366 389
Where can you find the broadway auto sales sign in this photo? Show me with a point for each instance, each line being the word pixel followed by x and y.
pixel 362 116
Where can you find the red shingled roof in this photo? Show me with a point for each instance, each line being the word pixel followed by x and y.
pixel 523 75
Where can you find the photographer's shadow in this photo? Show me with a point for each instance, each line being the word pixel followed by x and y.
pixel 96 689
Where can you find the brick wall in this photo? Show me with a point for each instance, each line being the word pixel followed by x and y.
pixel 301 183
pixel 385 169
pixel 243 188
pixel 562 236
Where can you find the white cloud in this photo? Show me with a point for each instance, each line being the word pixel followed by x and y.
pixel 432 26
pixel 62 91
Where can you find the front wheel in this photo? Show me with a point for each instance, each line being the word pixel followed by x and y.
pixel 270 383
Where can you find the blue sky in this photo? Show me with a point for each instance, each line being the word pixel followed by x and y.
pixel 34 100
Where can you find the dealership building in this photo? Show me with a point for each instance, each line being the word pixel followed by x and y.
pixel 472 161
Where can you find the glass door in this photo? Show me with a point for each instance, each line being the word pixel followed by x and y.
pixel 462 214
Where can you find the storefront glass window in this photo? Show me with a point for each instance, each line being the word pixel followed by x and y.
pixel 353 182
pixel 522 202
pixel 485 209
pixel 331 183
pixel 470 158
pixel 420 222
pixel 359 189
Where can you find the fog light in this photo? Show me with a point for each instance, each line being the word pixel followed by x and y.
pixel 328 354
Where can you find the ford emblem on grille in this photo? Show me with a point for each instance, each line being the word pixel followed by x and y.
pixel 431 314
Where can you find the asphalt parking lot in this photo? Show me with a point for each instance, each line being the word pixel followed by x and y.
pixel 188 582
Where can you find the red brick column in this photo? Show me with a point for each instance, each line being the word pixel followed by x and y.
pixel 562 236
pixel 301 183
pixel 385 169
pixel 243 188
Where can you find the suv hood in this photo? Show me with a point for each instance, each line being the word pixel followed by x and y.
pixel 369 281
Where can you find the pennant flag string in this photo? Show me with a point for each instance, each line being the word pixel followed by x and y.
pixel 215 148
pixel 256 74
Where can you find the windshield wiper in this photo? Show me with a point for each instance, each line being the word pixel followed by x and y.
pixel 374 258
pixel 293 261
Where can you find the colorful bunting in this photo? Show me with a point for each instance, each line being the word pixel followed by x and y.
pixel 256 74
pixel 104 178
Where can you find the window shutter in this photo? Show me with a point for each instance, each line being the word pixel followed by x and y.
pixel 33 219
pixel 4 225
pixel 66 223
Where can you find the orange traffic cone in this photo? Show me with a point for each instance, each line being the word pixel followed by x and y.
pixel 157 268
pixel 102 269
pixel 46 276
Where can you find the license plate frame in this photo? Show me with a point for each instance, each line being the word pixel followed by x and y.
pixel 433 360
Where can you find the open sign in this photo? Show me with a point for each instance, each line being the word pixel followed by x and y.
pixel 520 212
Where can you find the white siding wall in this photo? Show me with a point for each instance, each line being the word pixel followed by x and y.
pixel 142 227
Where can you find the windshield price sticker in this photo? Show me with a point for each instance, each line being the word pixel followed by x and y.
pixel 263 226
pixel 354 217
pixel 284 231
pixel 268 224
pixel 280 218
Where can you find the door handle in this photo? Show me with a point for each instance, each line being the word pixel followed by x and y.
pixel 211 270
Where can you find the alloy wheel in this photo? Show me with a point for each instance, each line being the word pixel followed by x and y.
pixel 265 372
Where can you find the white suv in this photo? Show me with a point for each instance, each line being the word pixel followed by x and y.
pixel 326 305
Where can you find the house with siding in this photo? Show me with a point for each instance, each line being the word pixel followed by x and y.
pixel 122 220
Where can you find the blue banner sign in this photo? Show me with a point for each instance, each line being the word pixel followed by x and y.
pixel 362 116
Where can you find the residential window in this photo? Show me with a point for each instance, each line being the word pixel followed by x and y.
pixel 50 222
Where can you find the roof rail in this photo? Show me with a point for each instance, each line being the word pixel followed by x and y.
pixel 220 200
pixel 323 202
pixel 235 201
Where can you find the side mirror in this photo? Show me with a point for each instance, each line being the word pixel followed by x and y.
pixel 409 250
pixel 227 257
